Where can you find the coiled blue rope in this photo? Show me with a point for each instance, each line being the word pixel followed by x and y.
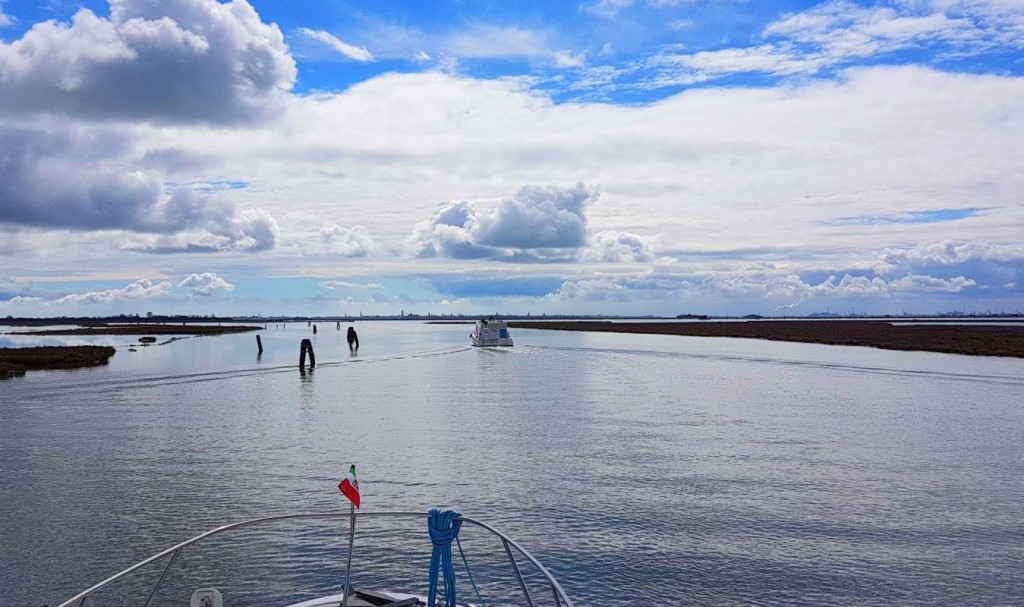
pixel 443 526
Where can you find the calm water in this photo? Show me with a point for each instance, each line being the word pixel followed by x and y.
pixel 640 469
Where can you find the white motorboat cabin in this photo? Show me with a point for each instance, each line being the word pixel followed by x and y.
pixel 491 332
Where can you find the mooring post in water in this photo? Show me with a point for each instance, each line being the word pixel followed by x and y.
pixel 259 344
pixel 307 346
pixel 338 328
pixel 314 329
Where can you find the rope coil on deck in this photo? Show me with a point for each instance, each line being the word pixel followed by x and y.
pixel 443 526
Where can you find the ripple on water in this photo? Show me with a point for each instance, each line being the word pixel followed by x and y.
pixel 640 469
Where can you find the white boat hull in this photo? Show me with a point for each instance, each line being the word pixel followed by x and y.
pixel 487 343
pixel 490 333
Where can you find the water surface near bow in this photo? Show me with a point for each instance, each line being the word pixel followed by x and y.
pixel 639 468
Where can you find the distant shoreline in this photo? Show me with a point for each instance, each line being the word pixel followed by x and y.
pixel 150 329
pixel 972 340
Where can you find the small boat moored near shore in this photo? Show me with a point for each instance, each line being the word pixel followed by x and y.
pixel 490 332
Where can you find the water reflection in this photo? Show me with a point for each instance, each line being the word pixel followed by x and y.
pixel 707 471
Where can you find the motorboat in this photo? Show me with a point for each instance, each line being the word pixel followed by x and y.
pixel 443 528
pixel 490 332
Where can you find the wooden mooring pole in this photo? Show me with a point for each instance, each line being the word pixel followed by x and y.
pixel 259 344
pixel 306 346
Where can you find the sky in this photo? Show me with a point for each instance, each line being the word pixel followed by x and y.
pixel 621 157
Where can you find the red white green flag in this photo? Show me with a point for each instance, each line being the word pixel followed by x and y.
pixel 350 486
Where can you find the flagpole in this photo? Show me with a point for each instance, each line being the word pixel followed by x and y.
pixel 351 540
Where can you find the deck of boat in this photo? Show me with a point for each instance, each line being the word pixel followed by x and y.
pixel 366 598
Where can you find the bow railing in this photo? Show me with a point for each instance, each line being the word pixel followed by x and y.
pixel 561 599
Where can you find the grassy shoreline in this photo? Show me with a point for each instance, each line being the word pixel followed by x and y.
pixel 950 339
pixel 15 361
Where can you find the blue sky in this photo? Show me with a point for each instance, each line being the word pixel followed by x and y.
pixel 613 156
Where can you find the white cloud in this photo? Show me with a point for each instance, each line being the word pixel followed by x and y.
pixel 249 230
pixel 537 217
pixel 75 178
pixel 356 53
pixel 447 47
pixel 346 242
pixel 536 220
pixel 344 285
pixel 205 284
pixel 755 287
pixel 447 233
pixel 838 32
pixel 930 284
pixel 568 59
pixel 615 246
pixel 723 174
pixel 174 61
pixel 492 42
pixel 139 290
pixel 5 20
pixel 949 252
pixel 607 9
pixel 66 179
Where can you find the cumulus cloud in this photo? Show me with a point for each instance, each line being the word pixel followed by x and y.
pixel 174 61
pixel 346 242
pixel 198 284
pixel 205 284
pixel 5 20
pixel 615 246
pixel 75 180
pixel 989 264
pixel 65 179
pixel 757 285
pixel 538 217
pixel 949 252
pixel 356 53
pixel 305 234
pixel 138 290
pixel 540 221
pixel 249 230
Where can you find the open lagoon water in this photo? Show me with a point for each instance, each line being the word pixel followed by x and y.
pixel 640 469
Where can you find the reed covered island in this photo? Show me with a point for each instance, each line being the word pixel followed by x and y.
pixel 15 361
pixel 976 340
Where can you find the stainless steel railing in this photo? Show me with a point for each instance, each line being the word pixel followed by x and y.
pixel 560 597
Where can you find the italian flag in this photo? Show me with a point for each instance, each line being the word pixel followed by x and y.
pixel 350 486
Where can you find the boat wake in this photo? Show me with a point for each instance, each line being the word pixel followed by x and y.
pixel 1007 380
pixel 154 381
